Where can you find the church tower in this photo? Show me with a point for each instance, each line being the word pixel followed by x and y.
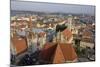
pixel 70 20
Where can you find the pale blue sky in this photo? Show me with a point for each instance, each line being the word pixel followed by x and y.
pixel 51 7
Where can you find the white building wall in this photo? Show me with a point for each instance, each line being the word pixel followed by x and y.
pixel 86 44
pixel 13 50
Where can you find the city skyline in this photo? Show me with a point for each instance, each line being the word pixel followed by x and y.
pixel 49 33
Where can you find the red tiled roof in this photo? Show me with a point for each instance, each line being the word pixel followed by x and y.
pixel 22 26
pixel 87 33
pixel 19 44
pixel 58 53
pixel 47 52
pixel 67 33
pixel 68 51
pixel 42 34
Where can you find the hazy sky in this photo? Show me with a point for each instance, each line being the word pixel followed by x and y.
pixel 51 7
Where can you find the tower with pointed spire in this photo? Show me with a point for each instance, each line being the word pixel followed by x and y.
pixel 30 23
pixel 70 20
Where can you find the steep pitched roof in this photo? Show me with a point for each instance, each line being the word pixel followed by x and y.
pixel 58 53
pixel 67 33
pixel 68 51
pixel 47 52
pixel 19 44
pixel 64 52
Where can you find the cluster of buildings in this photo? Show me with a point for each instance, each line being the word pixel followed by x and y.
pixel 56 38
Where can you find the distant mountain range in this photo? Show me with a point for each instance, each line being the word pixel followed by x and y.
pixel 23 12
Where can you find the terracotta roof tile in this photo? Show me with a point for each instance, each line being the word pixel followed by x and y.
pixel 42 34
pixel 48 52
pixel 19 44
pixel 58 53
pixel 67 33
pixel 68 51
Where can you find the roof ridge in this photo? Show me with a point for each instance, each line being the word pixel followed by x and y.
pixel 62 52
pixel 54 52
